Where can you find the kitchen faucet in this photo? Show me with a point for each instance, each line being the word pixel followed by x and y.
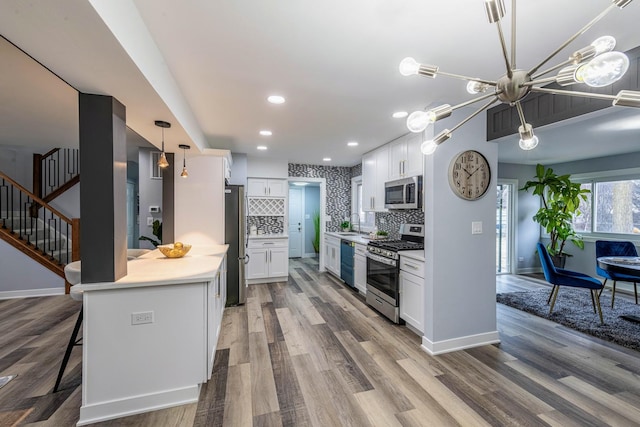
pixel 357 216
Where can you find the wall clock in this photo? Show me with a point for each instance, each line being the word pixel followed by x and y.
pixel 469 175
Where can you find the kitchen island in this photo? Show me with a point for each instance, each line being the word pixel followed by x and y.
pixel 149 339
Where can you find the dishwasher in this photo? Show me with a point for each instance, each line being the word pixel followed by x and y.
pixel 347 253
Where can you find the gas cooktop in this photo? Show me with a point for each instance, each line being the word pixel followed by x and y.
pixel 396 245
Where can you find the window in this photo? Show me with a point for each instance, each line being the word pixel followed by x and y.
pixel 367 219
pixel 612 207
pixel 156 172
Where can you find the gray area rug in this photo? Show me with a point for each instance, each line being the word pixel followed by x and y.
pixel 574 310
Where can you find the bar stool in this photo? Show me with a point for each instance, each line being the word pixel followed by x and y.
pixel 72 274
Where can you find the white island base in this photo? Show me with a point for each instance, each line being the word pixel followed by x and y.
pixel 149 339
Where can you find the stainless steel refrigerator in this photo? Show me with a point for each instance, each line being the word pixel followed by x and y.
pixel 235 235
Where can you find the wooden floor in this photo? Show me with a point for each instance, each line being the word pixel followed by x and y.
pixel 310 353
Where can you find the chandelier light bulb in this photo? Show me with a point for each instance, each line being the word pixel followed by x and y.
pixel 529 144
pixel 604 44
pixel 409 66
pixel 474 87
pixel 604 69
pixel 428 147
pixel 418 121
pixel 528 141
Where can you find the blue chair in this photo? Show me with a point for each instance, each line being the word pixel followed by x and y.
pixel 561 277
pixel 611 248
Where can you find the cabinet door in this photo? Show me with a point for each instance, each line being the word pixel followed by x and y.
pixel 414 157
pixel 412 300
pixel 256 187
pixel 277 188
pixel 257 268
pixel 369 181
pixel 360 273
pixel 398 158
pixel 278 262
pixel 382 173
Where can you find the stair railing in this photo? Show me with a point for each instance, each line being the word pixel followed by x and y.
pixel 48 231
pixel 55 172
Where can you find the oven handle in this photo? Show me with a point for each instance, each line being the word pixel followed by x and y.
pixel 381 259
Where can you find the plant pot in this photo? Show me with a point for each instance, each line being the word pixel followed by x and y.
pixel 559 260
pixel 346 229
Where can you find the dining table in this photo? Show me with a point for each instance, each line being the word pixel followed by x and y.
pixel 629 265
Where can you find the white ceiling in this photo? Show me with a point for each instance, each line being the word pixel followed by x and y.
pixel 208 66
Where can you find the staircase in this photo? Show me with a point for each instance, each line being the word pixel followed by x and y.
pixel 30 224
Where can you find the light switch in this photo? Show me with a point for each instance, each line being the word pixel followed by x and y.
pixel 476 227
pixel 150 221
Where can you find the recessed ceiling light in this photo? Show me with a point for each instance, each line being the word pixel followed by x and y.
pixel 266 133
pixel 261 147
pixel 399 114
pixel 326 159
pixel 352 144
pixel 276 99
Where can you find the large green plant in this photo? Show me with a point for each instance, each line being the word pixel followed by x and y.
pixel 316 228
pixel 560 199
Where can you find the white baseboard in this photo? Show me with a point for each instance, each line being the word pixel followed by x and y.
pixel 137 405
pixel 455 344
pixel 310 255
pixel 30 293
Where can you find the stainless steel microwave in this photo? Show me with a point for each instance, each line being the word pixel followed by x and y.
pixel 403 193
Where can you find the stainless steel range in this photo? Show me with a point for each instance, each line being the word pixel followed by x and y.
pixel 383 269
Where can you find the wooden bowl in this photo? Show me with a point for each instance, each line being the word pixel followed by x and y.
pixel 176 250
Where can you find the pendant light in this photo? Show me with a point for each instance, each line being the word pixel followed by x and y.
pixel 162 161
pixel 184 147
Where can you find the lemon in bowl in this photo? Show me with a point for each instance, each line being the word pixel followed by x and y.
pixel 176 250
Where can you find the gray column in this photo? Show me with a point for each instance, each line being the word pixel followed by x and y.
pixel 168 216
pixel 103 192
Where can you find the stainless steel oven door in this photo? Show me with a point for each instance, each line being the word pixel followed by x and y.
pixel 384 275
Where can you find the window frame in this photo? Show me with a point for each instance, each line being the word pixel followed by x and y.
pixel 365 226
pixel 594 178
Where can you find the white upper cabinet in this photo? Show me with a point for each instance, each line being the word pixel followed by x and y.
pixel 405 158
pixel 263 187
pixel 375 165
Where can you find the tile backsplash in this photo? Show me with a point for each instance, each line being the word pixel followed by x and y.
pixel 266 224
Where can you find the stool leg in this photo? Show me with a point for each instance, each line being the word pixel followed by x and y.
pixel 635 291
pixel 67 353
pixel 613 294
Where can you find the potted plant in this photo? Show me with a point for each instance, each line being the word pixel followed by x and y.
pixel 157 231
pixel 560 199
pixel 316 229
pixel 345 225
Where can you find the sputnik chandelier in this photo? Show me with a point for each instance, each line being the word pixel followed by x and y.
pixel 595 65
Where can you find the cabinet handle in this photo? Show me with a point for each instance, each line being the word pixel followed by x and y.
pixel 266 259
pixel 400 167
pixel 411 266
pixel 270 256
pixel 403 166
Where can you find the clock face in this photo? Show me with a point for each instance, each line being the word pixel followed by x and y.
pixel 469 175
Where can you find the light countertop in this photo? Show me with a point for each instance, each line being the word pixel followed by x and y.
pixel 361 239
pixel 268 236
pixel 154 269
pixel 418 255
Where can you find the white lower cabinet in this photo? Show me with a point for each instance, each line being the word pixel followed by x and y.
pixel 332 254
pixel 412 292
pixel 268 260
pixel 360 268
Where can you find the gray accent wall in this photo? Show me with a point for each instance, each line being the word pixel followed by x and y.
pixel 338 189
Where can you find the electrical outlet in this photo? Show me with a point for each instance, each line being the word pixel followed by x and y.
pixel 149 221
pixel 142 317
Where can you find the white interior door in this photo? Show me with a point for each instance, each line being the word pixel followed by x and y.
pixel 295 222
